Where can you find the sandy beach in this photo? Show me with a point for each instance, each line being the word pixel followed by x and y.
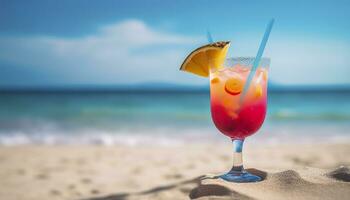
pixel 90 172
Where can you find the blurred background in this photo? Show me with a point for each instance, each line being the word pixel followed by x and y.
pixel 92 72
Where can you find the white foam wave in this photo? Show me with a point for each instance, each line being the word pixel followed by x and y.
pixel 172 137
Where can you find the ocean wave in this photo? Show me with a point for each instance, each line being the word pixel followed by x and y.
pixel 94 139
pixel 269 134
pixel 322 116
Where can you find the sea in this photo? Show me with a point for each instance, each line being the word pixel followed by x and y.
pixel 162 118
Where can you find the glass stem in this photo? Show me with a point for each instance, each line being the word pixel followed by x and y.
pixel 237 155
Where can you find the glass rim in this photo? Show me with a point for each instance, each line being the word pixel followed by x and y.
pixel 246 61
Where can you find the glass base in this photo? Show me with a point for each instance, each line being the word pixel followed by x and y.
pixel 240 177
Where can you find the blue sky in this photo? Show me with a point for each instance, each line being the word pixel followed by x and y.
pixel 50 43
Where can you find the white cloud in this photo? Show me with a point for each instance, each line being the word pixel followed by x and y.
pixel 301 60
pixel 310 61
pixel 131 51
pixel 125 52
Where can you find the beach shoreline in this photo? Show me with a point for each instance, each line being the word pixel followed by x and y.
pixel 159 172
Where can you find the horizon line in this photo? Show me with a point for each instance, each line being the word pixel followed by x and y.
pixel 169 87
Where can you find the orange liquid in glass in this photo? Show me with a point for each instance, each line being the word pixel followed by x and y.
pixel 234 117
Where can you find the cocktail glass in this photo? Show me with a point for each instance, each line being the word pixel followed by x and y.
pixel 238 113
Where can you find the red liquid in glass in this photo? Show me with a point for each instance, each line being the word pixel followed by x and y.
pixel 234 119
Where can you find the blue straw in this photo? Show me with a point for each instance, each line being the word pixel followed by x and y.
pixel 257 58
pixel 209 37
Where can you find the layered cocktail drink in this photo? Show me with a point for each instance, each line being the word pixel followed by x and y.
pixel 235 115
pixel 238 97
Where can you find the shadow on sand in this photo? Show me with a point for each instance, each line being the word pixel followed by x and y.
pixel 196 192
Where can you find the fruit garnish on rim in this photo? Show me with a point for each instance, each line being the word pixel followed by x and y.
pixel 205 57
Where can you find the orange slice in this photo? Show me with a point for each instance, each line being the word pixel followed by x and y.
pixel 265 75
pixel 233 114
pixel 258 91
pixel 234 86
pixel 203 58
pixel 215 80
